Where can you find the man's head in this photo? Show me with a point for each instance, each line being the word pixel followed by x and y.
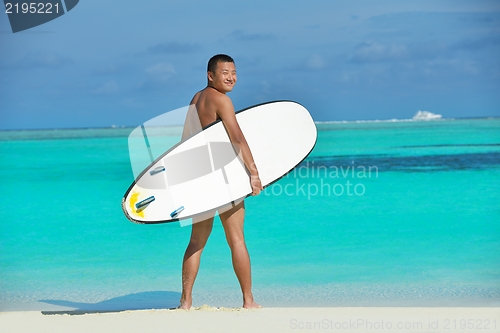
pixel 214 61
pixel 221 73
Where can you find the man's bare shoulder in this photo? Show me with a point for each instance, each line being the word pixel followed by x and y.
pixel 196 97
pixel 216 95
pixel 215 100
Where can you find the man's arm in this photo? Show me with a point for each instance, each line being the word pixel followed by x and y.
pixel 225 111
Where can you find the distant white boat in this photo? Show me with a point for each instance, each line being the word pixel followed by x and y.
pixel 426 115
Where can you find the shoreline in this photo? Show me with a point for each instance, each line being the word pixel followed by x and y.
pixel 324 296
pixel 210 319
pixel 131 303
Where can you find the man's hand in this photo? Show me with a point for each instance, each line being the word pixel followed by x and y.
pixel 256 184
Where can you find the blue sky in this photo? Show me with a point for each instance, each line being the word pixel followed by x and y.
pixel 123 62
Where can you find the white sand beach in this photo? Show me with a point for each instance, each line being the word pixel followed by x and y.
pixel 211 319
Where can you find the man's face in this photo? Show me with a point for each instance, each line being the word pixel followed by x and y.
pixel 224 77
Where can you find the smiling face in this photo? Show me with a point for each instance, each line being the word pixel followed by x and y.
pixel 223 78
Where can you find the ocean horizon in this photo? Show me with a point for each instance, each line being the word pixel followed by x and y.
pixel 318 122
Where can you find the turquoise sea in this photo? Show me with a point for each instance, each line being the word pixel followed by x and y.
pixel 381 213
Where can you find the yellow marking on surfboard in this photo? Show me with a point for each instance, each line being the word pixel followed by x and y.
pixel 133 200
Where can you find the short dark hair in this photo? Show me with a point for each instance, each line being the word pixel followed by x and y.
pixel 212 63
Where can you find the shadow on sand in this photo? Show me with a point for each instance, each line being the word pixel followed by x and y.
pixel 138 301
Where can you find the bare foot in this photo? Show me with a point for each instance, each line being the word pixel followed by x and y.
pixel 251 305
pixel 185 305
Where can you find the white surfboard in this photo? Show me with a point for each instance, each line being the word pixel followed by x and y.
pixel 204 172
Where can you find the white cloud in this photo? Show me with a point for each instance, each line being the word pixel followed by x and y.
pixel 374 51
pixel 161 71
pixel 131 102
pixel 315 62
pixel 43 60
pixel 110 87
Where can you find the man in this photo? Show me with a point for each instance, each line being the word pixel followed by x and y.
pixel 211 104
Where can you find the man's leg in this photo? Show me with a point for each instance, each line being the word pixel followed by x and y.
pixel 191 263
pixel 232 221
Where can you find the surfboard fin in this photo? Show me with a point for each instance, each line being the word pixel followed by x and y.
pixel 142 204
pixel 157 170
pixel 176 212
